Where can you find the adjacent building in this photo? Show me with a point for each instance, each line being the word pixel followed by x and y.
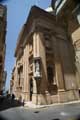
pixel 45 70
pixel 69 11
pixel 3 14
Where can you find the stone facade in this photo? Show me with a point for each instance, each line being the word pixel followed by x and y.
pixel 45 70
pixel 74 32
pixel 3 13
pixel 70 13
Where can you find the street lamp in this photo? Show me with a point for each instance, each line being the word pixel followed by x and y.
pixel 37 74
pixel 37 68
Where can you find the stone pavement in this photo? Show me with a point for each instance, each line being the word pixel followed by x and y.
pixel 31 105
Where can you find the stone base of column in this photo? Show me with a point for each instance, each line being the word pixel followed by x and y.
pixel 67 96
pixel 35 98
pixel 44 99
pixel 41 99
pixel 26 96
pixel 54 99
pixel 17 95
pixel 61 97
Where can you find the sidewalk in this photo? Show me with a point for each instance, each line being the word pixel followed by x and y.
pixel 31 105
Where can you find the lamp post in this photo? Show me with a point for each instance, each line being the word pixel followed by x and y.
pixel 37 68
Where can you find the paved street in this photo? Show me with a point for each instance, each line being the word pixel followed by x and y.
pixel 65 112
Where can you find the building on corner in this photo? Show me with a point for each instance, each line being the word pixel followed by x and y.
pixel 45 70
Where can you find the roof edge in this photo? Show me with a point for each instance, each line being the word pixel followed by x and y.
pixel 34 13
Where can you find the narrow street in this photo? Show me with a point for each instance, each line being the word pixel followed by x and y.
pixel 65 112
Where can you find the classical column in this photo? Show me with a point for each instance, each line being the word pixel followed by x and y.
pixel 35 48
pixel 58 65
pixel 26 72
pixel 39 51
pixel 65 70
pixel 35 44
pixel 69 66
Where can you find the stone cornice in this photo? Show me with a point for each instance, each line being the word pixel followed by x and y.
pixel 35 13
pixel 38 19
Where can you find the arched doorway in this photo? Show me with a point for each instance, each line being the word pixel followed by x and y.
pixel 31 89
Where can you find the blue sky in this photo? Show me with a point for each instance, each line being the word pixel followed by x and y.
pixel 17 12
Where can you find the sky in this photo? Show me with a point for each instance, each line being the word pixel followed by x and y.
pixel 17 12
